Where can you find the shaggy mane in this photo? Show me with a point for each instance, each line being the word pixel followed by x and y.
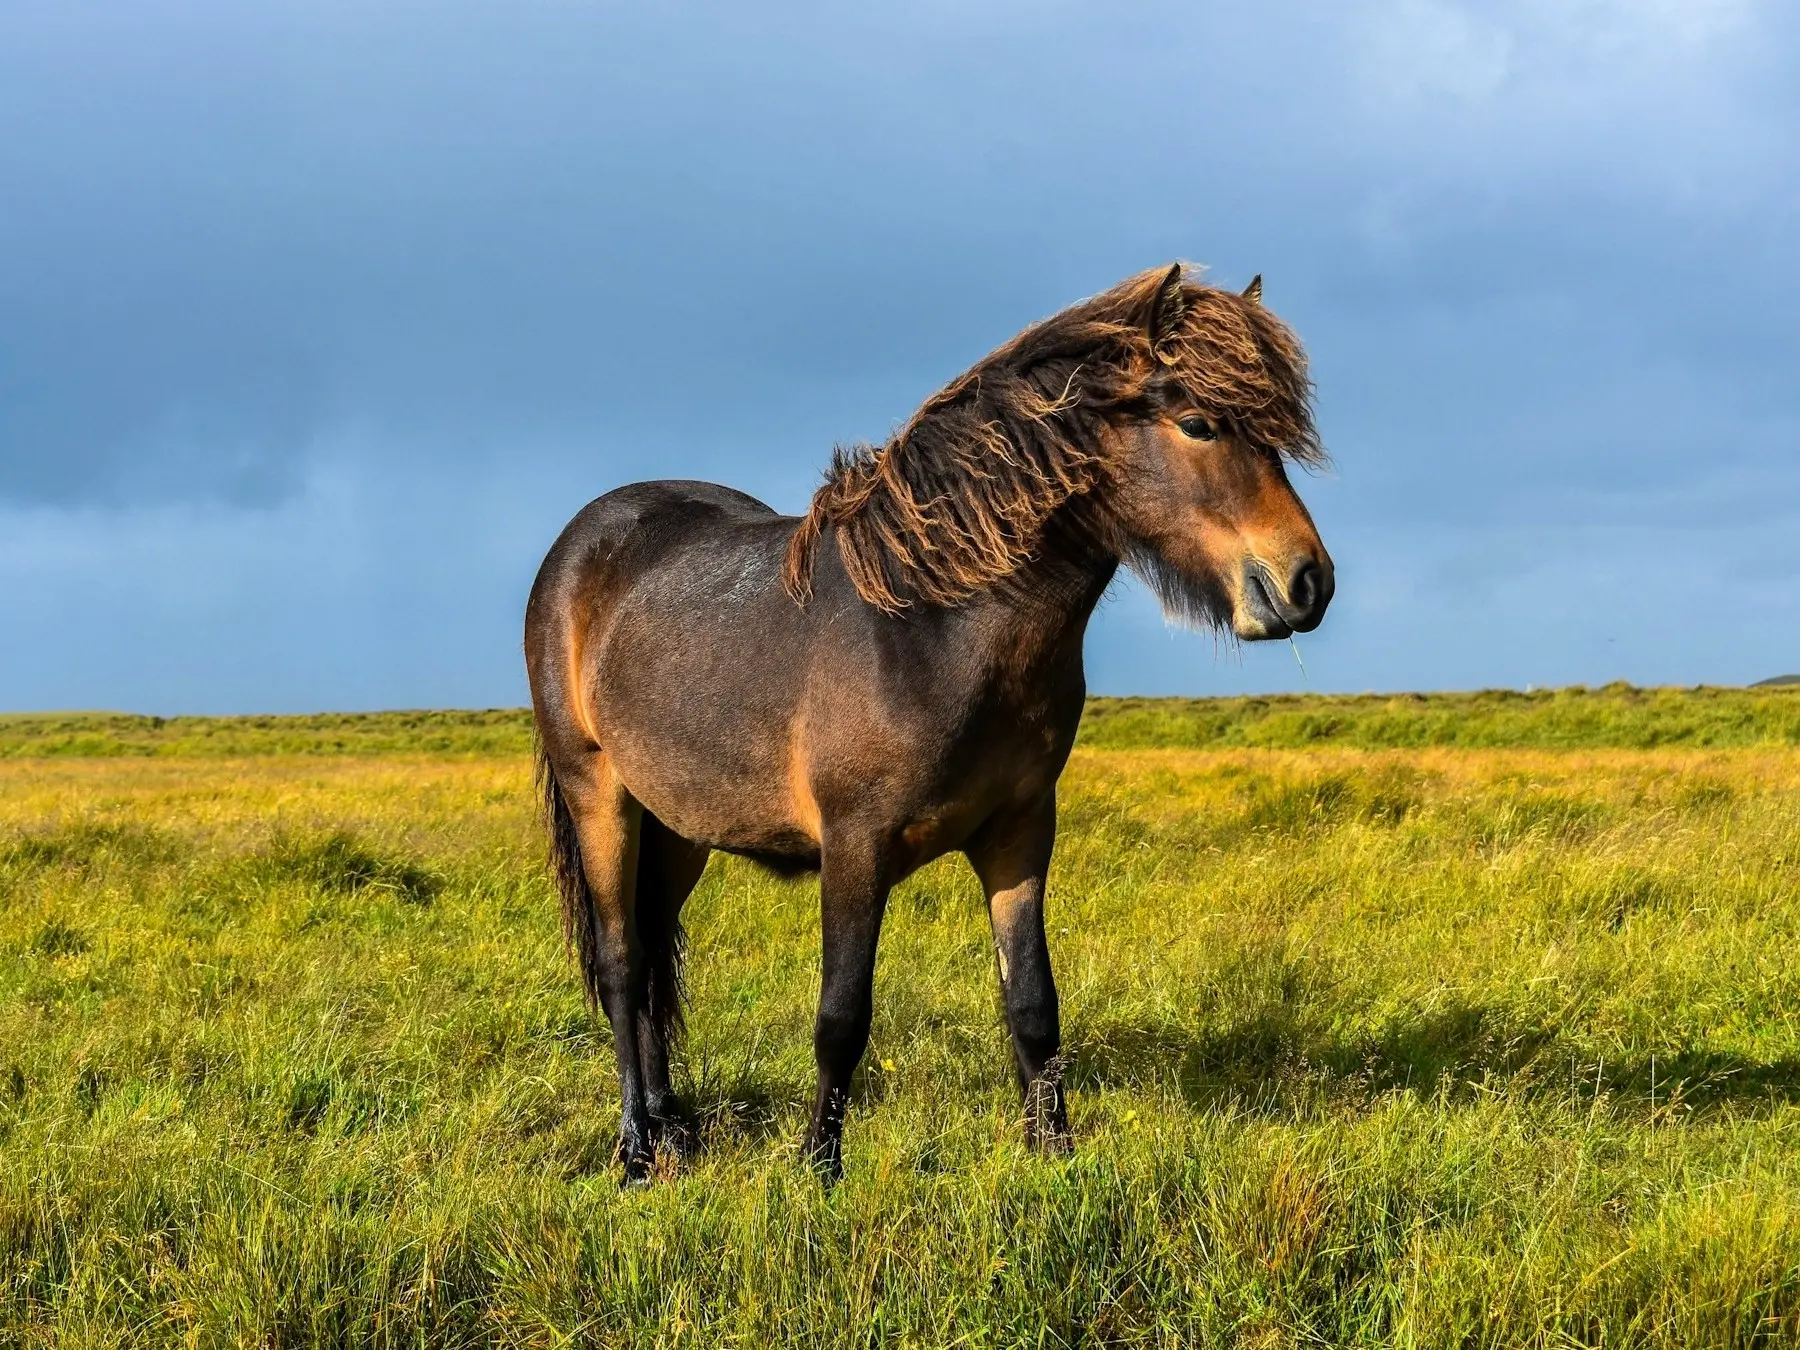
pixel 959 497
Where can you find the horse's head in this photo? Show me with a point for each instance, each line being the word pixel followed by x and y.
pixel 1200 488
pixel 1156 417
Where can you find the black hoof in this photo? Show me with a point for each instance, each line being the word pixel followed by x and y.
pixel 676 1130
pixel 1052 1143
pixel 826 1157
pixel 1047 1119
pixel 637 1158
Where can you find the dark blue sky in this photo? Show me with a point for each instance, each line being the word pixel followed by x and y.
pixel 318 320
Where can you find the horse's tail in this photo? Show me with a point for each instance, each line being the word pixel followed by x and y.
pixel 661 939
pixel 580 922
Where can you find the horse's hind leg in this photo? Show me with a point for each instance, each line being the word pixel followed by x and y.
pixel 1011 855
pixel 668 868
pixel 607 823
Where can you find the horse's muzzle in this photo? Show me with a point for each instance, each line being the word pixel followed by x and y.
pixel 1270 609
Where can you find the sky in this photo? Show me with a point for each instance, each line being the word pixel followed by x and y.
pixel 318 320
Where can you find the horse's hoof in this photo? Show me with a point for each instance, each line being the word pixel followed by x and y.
pixel 681 1139
pixel 1047 1116
pixel 1051 1137
pixel 826 1157
pixel 1051 1143
pixel 638 1158
pixel 676 1130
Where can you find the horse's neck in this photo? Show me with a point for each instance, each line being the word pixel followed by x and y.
pixel 1039 615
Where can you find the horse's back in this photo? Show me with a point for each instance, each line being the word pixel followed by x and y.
pixel 621 536
pixel 642 516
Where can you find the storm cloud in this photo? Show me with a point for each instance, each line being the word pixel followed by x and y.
pixel 317 320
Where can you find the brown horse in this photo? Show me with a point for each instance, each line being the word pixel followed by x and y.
pixel 897 674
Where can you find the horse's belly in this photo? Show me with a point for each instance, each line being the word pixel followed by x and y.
pixel 736 825
pixel 715 794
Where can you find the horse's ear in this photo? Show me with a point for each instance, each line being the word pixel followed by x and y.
pixel 1166 313
pixel 1253 292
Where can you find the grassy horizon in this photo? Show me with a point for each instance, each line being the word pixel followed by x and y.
pixel 1432 1044
pixel 1612 716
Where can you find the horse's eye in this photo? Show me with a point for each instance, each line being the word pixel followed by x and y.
pixel 1197 427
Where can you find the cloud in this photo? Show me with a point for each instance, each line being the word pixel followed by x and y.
pixel 1540 252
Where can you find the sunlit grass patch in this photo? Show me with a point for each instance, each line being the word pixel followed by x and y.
pixel 1427 1046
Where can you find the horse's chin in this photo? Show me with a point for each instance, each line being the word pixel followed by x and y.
pixel 1254 618
pixel 1250 628
pixel 1186 599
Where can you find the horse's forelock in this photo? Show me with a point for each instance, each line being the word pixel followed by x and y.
pixel 1242 364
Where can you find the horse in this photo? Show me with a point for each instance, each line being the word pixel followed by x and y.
pixel 897 674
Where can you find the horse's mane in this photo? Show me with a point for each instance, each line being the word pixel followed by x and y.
pixel 960 496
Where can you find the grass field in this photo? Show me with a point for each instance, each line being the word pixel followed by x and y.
pixel 1615 717
pixel 1469 1020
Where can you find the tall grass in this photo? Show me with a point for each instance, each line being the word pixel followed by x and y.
pixel 1431 1046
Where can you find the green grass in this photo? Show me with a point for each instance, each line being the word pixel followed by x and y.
pixel 1434 1046
pixel 1616 716
pixel 109 735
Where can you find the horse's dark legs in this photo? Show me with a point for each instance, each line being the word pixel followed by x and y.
pixel 1012 857
pixel 668 869
pixel 607 821
pixel 852 897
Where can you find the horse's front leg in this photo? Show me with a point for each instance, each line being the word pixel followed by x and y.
pixel 1011 855
pixel 852 898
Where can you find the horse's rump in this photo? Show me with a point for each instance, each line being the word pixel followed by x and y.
pixel 686 659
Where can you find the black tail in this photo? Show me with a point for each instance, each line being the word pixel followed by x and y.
pixel 581 925
pixel 660 937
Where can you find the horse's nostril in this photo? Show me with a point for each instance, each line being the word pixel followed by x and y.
pixel 1308 592
pixel 1303 588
